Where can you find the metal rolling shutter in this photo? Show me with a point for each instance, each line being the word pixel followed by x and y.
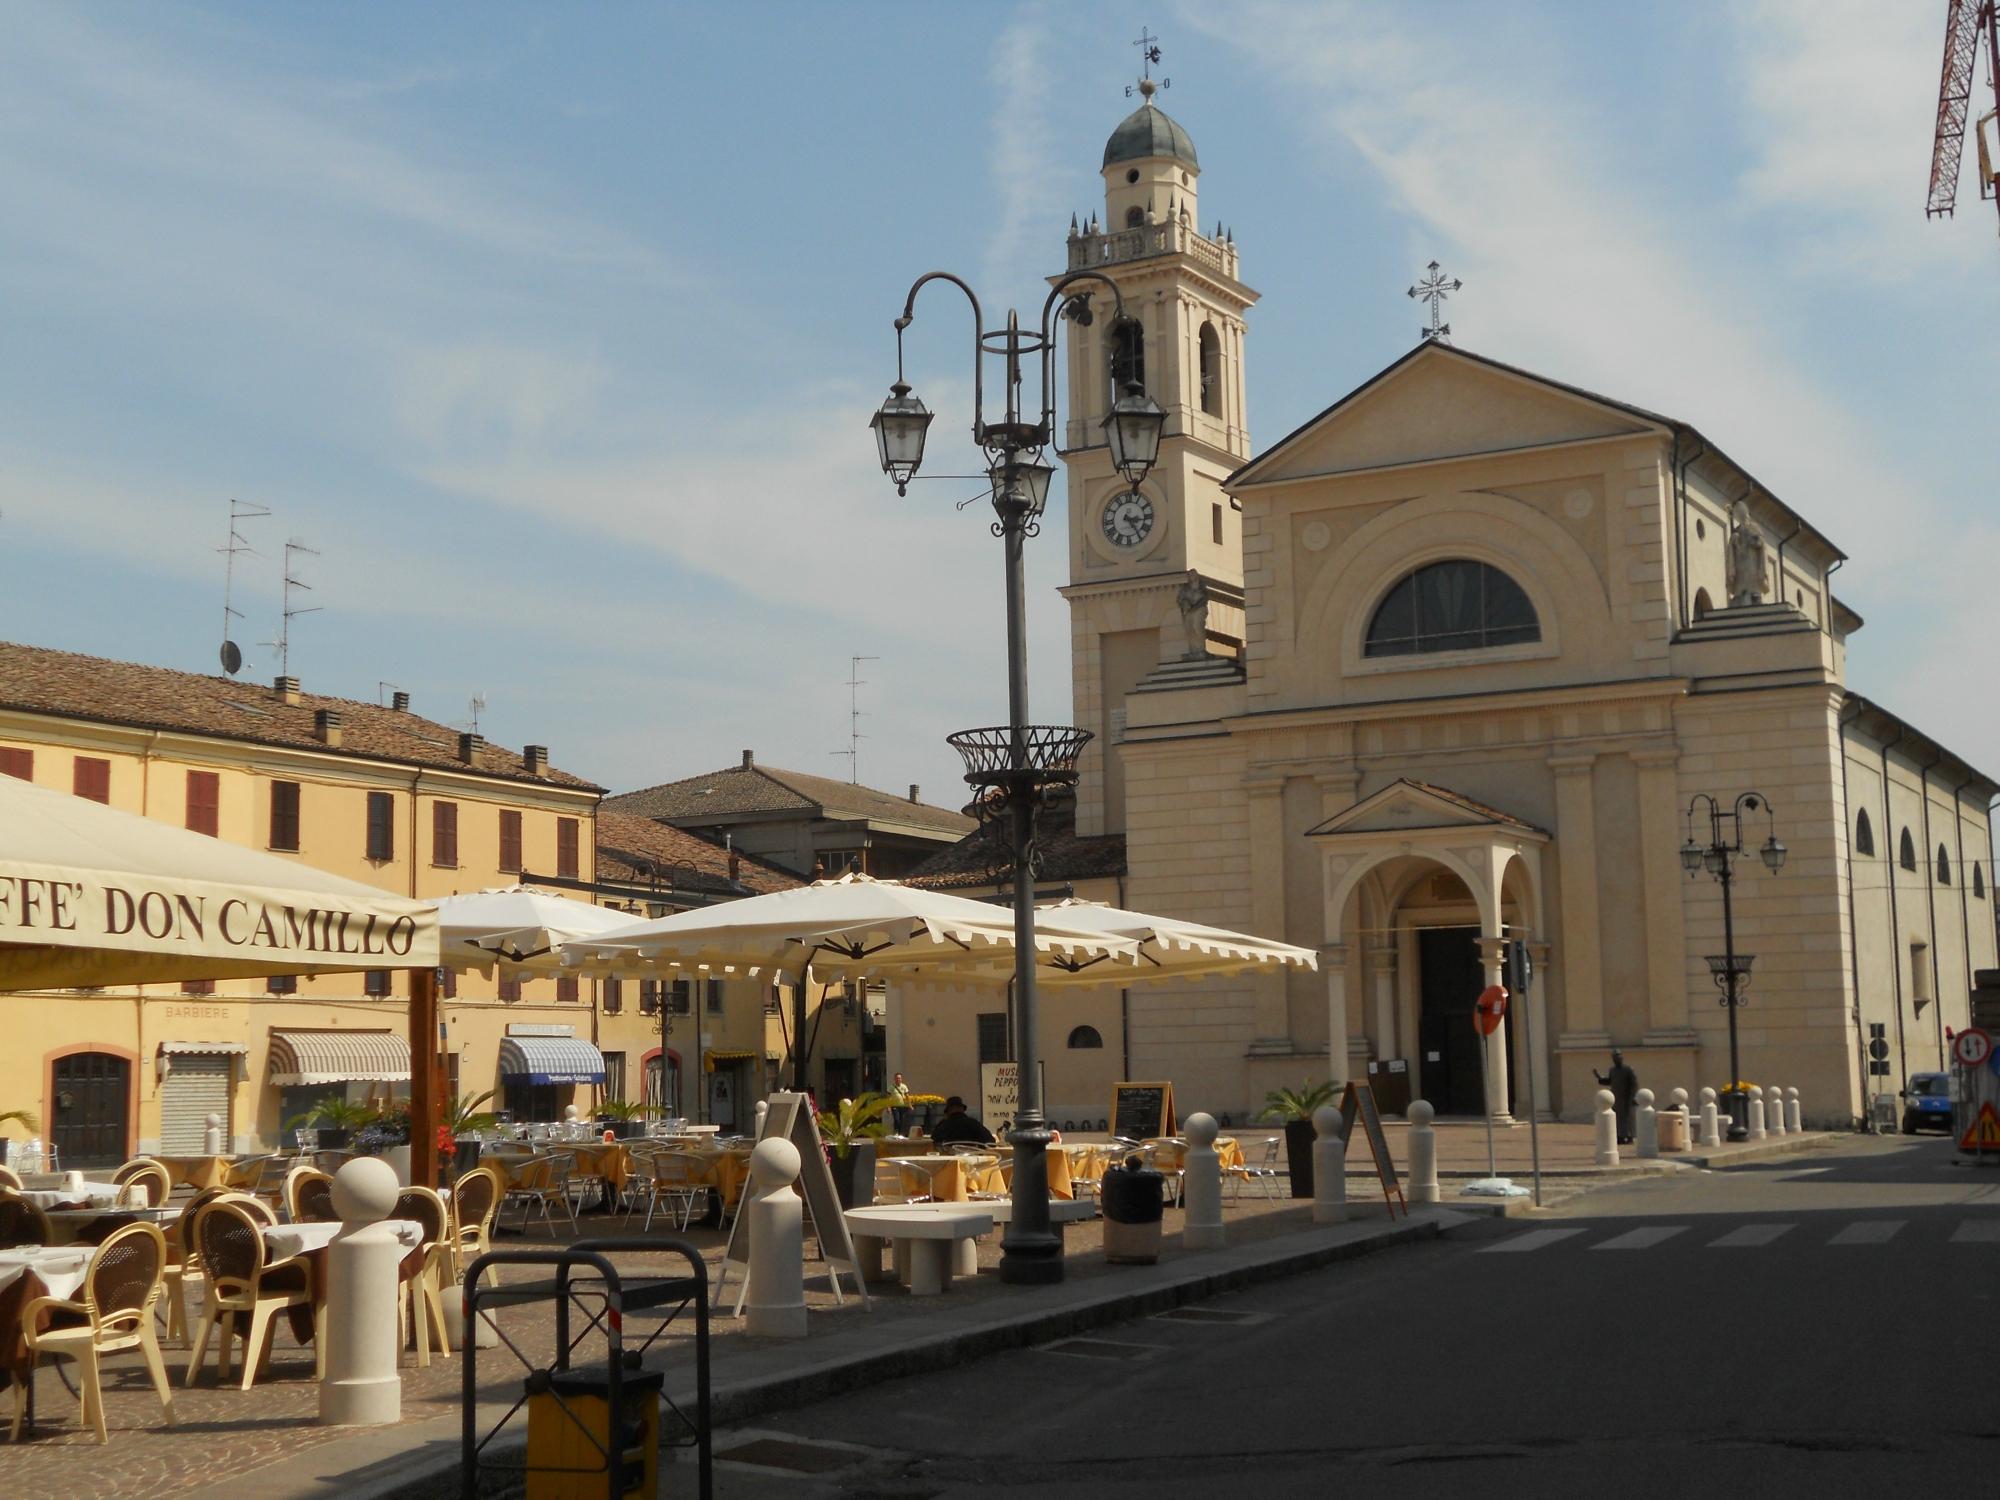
pixel 197 1087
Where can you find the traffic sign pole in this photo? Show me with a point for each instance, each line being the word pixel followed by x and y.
pixel 1520 969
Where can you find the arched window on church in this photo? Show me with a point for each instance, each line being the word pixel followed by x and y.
pixel 1135 216
pixel 1128 356
pixel 1459 605
pixel 1978 883
pixel 1906 852
pixel 1864 833
pixel 1943 867
pixel 1702 604
pixel 1211 371
pixel 1085 1037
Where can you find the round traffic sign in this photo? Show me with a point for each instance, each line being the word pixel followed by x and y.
pixel 1878 1049
pixel 1971 1047
pixel 1490 1009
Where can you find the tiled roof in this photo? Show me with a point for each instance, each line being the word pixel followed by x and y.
pixel 633 848
pixel 983 856
pixel 720 795
pixel 36 679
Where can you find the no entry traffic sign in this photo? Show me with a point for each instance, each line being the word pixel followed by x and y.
pixel 1490 1009
pixel 1971 1047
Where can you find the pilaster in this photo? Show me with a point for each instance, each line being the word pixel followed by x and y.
pixel 1265 797
pixel 1333 968
pixel 1576 839
pixel 1666 933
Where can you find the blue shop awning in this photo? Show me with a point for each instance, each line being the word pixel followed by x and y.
pixel 550 1059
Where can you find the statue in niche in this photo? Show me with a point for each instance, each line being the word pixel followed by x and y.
pixel 1193 601
pixel 1746 558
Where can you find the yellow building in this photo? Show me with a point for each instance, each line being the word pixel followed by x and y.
pixel 377 794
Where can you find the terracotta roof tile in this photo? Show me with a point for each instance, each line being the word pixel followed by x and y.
pixel 35 679
pixel 633 848
pixel 720 795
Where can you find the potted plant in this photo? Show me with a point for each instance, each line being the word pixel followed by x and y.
pixel 849 1133
pixel 21 1117
pixel 388 1136
pixel 1295 1107
pixel 623 1118
pixel 464 1118
pixel 928 1105
pixel 336 1120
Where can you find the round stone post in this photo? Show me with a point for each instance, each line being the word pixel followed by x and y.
pixel 1774 1112
pixel 1645 1125
pixel 211 1136
pixel 1678 1099
pixel 763 1109
pixel 1711 1119
pixel 1423 1153
pixel 1201 1185
pixel 1756 1113
pixel 1329 1166
pixel 362 1386
pixel 775 1294
pixel 1607 1129
pixel 1792 1111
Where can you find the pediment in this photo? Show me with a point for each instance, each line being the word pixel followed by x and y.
pixel 1440 403
pixel 1416 806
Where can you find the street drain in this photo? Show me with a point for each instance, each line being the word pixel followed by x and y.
pixel 1102 1349
pixel 800 1458
pixel 1210 1315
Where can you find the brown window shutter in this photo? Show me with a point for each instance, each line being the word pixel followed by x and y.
pixel 19 764
pixel 444 835
pixel 567 864
pixel 198 987
pixel 566 990
pixel 381 826
pixel 92 778
pixel 204 802
pixel 510 842
pixel 285 815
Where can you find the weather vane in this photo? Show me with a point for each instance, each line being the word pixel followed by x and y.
pixel 1149 53
pixel 1434 288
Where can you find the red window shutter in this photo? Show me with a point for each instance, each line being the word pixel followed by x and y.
pixel 17 763
pixel 444 834
pixel 566 848
pixel 204 802
pixel 285 815
pixel 92 778
pixel 566 990
pixel 510 842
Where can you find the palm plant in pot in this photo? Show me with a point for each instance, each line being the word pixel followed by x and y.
pixel 464 1118
pixel 336 1119
pixel 1295 1107
pixel 21 1117
pixel 849 1133
pixel 623 1118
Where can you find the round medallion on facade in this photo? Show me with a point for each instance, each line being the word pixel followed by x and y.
pixel 1315 536
pixel 1577 504
pixel 1127 519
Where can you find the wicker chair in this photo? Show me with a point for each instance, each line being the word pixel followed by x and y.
pixel 230 1239
pixel 114 1315
pixel 21 1222
pixel 422 1299
pixel 309 1196
pixel 9 1180
pixel 145 1173
pixel 475 1204
pixel 184 1260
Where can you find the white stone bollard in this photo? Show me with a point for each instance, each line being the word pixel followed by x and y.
pixel 1711 1119
pixel 1329 1166
pixel 1607 1129
pixel 1201 1186
pixel 362 1386
pixel 1677 1099
pixel 775 1292
pixel 1774 1112
pixel 763 1109
pixel 1756 1113
pixel 1645 1125
pixel 211 1136
pixel 1792 1111
pixel 1423 1153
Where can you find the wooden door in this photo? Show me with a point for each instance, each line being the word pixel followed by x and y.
pixel 91 1122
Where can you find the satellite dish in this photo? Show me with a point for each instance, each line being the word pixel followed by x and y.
pixel 232 658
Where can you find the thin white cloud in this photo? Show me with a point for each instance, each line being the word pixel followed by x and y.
pixel 1023 164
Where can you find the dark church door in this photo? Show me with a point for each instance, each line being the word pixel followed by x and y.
pixel 92 1094
pixel 1448 1046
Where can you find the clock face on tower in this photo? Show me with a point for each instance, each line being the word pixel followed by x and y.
pixel 1127 519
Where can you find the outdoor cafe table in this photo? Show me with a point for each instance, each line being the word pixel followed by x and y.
pixel 1170 1151
pixel 724 1168
pixel 88 1195
pixel 1066 1163
pixel 309 1242
pixel 948 1178
pixel 197 1172
pixel 89 1226
pixel 37 1271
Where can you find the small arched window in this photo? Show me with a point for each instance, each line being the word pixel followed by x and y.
pixel 1085 1036
pixel 1211 371
pixel 1978 883
pixel 1943 867
pixel 1702 604
pixel 1128 356
pixel 1452 606
pixel 1134 216
pixel 1906 852
pixel 1864 833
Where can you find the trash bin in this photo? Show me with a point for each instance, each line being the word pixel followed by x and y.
pixel 569 1443
pixel 1673 1130
pixel 1133 1205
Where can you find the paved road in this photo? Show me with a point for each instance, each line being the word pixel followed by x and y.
pixel 1824 1326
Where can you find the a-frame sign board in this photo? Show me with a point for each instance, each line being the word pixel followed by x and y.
pixel 1360 1100
pixel 790 1117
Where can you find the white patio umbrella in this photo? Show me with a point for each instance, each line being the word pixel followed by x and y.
pixel 528 927
pixel 90 896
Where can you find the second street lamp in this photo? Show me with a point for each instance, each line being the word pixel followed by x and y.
pixel 1011 767
pixel 1730 969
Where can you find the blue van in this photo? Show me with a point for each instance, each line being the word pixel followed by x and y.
pixel 1927 1103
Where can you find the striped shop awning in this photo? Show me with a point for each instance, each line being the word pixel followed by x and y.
pixel 550 1059
pixel 311 1057
pixel 204 1049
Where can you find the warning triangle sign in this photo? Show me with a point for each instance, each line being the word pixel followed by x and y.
pixel 1983 1134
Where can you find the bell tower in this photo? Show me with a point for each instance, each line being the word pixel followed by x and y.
pixel 1133 553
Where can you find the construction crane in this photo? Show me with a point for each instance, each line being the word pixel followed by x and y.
pixel 1965 24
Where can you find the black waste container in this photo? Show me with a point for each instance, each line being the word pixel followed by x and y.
pixel 1133 1205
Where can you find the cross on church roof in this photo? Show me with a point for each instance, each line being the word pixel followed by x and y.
pixel 1149 53
pixel 1434 288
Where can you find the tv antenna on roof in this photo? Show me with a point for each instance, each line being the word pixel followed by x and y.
pixel 477 703
pixel 239 511
pixel 855 682
pixel 292 582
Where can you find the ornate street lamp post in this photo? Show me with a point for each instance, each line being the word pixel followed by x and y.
pixel 1012 766
pixel 1730 969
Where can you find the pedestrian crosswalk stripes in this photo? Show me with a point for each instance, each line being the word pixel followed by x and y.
pixel 1534 1239
pixel 1749 1237
pixel 1868 1232
pixel 1642 1239
pixel 1754 1236
pixel 1978 1232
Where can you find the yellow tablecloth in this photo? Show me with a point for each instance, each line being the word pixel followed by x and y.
pixel 1066 1164
pixel 726 1169
pixel 1170 1152
pixel 197 1172
pixel 948 1179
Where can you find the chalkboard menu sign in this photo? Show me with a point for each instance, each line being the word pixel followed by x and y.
pixel 1360 1100
pixel 1141 1111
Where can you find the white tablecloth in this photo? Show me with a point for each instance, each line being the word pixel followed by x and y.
pixel 62 1271
pixel 283 1241
pixel 96 1194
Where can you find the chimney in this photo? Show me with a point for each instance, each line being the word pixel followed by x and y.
pixel 286 689
pixel 469 746
pixel 735 866
pixel 400 702
pixel 326 726
pixel 749 760
pixel 537 757
pixel 913 791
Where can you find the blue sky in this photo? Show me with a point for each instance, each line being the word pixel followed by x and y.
pixel 556 332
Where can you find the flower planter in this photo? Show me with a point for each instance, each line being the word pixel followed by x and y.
pixel 398 1158
pixel 854 1175
pixel 1299 1136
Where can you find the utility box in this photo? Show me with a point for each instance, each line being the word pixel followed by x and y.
pixel 1389 1081
pixel 573 1434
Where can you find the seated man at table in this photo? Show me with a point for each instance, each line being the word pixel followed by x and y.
pixel 958 1126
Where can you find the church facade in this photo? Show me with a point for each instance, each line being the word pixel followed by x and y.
pixel 1447 667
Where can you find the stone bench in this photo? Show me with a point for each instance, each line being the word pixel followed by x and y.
pixel 928 1239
